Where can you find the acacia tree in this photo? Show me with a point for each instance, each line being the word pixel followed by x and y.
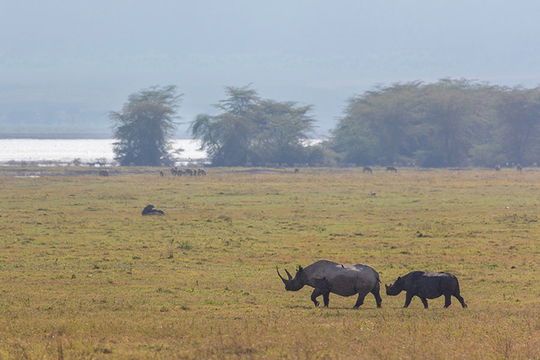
pixel 226 136
pixel 254 131
pixel 144 126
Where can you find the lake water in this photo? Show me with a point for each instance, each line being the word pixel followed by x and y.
pixel 87 150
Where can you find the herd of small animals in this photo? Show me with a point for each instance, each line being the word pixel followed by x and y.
pixel 177 171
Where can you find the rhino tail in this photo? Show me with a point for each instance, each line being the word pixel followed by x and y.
pixel 377 286
pixel 378 277
pixel 457 290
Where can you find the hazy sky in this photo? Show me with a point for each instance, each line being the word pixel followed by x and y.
pixel 90 55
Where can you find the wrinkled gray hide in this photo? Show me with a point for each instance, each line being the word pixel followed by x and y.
pixel 427 285
pixel 329 277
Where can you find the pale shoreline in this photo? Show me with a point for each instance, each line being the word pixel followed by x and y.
pixel 64 151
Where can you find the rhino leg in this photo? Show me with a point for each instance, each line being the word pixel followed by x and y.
pixel 447 300
pixel 315 294
pixel 322 288
pixel 424 301
pixel 360 300
pixel 376 293
pixel 408 298
pixel 460 299
pixel 326 299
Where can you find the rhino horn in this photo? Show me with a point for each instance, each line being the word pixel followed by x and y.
pixel 288 274
pixel 281 277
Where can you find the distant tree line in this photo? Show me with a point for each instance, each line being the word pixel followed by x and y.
pixel 443 124
pixel 447 123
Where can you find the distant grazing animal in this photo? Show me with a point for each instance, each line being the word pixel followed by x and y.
pixel 296 171
pixel 372 194
pixel 201 172
pixel 103 173
pixel 161 173
pixel 519 168
pixel 391 168
pixel 427 285
pixel 150 210
pixel 497 167
pixel 367 169
pixel 330 277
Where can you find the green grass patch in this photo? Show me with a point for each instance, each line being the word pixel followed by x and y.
pixel 84 275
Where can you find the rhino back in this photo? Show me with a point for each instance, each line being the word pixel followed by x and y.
pixel 320 269
pixel 430 284
pixel 329 270
pixel 344 280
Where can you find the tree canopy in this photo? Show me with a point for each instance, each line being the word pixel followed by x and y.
pixel 144 126
pixel 447 123
pixel 250 130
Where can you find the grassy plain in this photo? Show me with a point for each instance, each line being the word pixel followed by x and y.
pixel 84 276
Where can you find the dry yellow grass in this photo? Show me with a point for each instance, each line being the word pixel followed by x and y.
pixel 84 276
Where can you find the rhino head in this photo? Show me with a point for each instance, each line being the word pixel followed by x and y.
pixel 293 284
pixel 395 288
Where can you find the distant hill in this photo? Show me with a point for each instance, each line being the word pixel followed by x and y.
pixel 58 120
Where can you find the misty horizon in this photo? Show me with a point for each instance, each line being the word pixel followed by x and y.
pixel 68 65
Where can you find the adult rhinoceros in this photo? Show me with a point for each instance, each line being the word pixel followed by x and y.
pixel 330 277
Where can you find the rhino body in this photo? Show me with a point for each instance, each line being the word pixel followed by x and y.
pixel 427 285
pixel 330 277
pixel 150 210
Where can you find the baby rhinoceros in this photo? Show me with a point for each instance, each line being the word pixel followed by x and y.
pixel 329 277
pixel 427 285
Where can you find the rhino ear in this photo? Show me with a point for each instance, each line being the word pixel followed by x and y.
pixel 300 268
